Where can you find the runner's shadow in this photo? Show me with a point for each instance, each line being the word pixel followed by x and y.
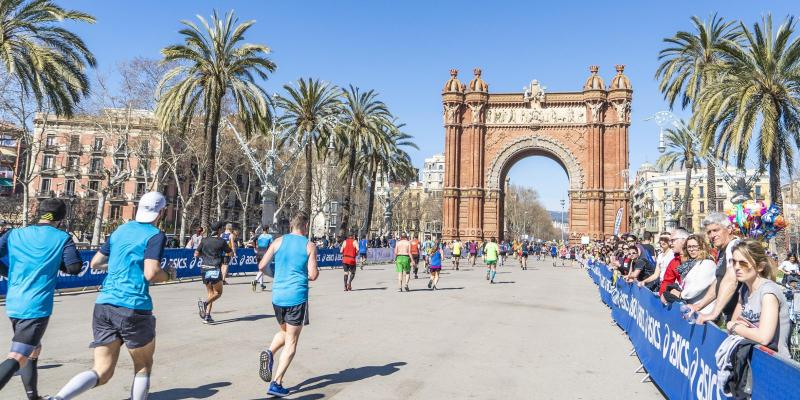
pixel 201 392
pixel 348 375
pixel 248 318
pixel 370 288
pixel 48 366
pixel 503 282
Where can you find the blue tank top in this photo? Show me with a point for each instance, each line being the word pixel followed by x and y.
pixel 125 284
pixel 290 283
pixel 436 258
pixel 263 241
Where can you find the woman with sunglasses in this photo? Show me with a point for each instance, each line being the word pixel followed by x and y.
pixel 697 272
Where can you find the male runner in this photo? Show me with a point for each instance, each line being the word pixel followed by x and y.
pixel 123 312
pixel 211 249
pixel 490 253
pixel 456 252
pixel 427 245
pixel 525 248
pixel 349 250
pixel 473 251
pixel 362 251
pixel 229 237
pixel 262 244
pixel 295 265
pixel 35 255
pixel 415 256
pixel 402 261
pixel 503 252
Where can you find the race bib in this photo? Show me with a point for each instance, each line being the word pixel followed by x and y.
pixel 211 274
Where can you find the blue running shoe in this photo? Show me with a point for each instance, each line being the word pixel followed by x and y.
pixel 265 366
pixel 277 390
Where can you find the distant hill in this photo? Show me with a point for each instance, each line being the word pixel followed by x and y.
pixel 556 216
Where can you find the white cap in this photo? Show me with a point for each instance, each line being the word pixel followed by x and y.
pixel 149 206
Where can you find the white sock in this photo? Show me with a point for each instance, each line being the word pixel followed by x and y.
pixel 78 384
pixel 141 386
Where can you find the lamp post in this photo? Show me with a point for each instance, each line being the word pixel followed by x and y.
pixel 562 219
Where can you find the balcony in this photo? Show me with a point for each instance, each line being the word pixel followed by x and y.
pixel 45 194
pixel 72 170
pixel 50 148
pixel 74 148
pixel 98 150
pixel 96 172
pixel 116 196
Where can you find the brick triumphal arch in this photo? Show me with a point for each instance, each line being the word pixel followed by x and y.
pixel 586 132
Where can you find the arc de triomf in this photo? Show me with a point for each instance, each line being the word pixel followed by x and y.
pixel 585 132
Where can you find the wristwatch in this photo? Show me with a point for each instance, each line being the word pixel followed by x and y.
pixel 733 328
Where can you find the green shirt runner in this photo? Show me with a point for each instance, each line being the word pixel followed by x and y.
pixel 491 250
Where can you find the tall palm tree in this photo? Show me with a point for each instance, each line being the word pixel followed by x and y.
pixel 311 110
pixel 757 94
pixel 681 153
pixel 684 71
pixel 391 161
pixel 364 117
pixel 48 61
pixel 213 63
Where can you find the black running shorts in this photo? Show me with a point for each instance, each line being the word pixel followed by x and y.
pixel 135 328
pixel 294 315
pixel 27 333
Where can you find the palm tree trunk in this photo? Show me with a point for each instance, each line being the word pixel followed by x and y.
pixel 370 201
pixel 211 167
pixel 309 175
pixel 711 188
pixel 776 196
pixel 687 206
pixel 351 164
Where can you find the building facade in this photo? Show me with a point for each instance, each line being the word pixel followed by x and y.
pixel 433 173
pixel 10 162
pixel 657 196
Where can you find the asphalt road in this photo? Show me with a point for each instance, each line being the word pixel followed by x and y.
pixel 536 334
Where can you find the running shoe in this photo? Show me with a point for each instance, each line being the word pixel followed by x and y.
pixel 407 289
pixel 263 288
pixel 208 319
pixel 253 285
pixel 277 390
pixel 430 283
pixel 224 282
pixel 201 308
pixel 265 361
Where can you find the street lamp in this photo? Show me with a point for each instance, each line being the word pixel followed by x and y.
pixel 562 219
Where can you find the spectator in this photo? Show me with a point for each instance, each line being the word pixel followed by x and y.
pixel 676 239
pixel 643 265
pixel 647 242
pixel 719 230
pixel 790 269
pixel 194 241
pixel 697 273
pixel 761 313
pixel 665 255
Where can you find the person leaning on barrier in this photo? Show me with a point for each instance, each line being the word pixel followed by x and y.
pixel 671 275
pixel 35 255
pixel 719 231
pixel 696 273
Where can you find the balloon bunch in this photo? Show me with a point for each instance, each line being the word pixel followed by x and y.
pixel 755 220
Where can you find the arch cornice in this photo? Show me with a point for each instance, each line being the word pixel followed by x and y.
pixel 575 172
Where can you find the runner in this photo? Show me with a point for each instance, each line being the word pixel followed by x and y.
pixel 295 265
pixel 427 245
pixel 436 255
pixel 229 237
pixel 349 251
pixel 415 256
pixel 553 252
pixel 362 251
pixel 262 244
pixel 212 249
pixel 524 249
pixel 490 254
pixel 537 249
pixel 503 250
pixel 473 251
pixel 35 255
pixel 123 312
pixel 402 261
pixel 456 252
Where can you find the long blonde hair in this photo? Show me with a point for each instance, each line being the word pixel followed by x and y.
pixel 753 251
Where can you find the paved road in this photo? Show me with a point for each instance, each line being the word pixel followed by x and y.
pixel 541 333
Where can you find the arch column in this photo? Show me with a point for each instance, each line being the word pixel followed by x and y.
pixel 453 101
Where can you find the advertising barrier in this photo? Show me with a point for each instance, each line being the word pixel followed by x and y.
pixel 379 255
pixel 679 356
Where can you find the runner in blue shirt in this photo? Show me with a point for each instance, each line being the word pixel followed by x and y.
pixel 35 255
pixel 362 251
pixel 295 265
pixel 263 242
pixel 123 311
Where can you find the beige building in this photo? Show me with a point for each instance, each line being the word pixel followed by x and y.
pixel 433 173
pixel 656 197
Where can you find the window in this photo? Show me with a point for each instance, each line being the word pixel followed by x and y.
pixel 702 192
pixel 72 163
pixel 98 144
pixel 97 165
pixel 140 189
pixel 758 190
pixel 116 212
pixel 44 188
pixel 144 147
pixel 49 161
pixel 74 142
pixel 69 187
pixel 50 141
pixel 720 205
pixel 143 167
pixel 120 164
pixel 94 186
pixel 702 207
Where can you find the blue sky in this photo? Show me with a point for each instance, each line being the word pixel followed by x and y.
pixel 404 50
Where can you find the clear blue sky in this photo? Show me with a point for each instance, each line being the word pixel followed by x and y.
pixel 404 50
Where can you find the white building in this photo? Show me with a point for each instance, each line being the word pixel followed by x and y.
pixel 433 173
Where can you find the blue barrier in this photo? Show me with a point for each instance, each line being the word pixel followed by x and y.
pixel 680 357
pixel 184 262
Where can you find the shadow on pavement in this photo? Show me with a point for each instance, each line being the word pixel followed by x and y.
pixel 502 282
pixel 437 289
pixel 48 366
pixel 248 318
pixel 347 376
pixel 369 288
pixel 201 392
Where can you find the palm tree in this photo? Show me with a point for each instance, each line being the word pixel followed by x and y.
pixel 391 161
pixel 684 71
pixel 47 60
pixel 213 62
pixel 364 116
pixel 310 112
pixel 757 93
pixel 680 153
